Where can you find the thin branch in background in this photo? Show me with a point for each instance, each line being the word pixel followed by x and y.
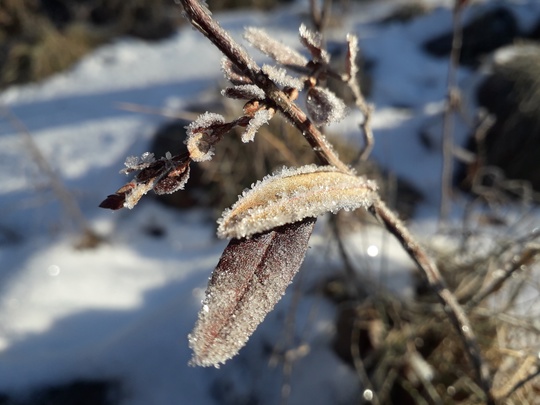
pixel 351 79
pixel 168 113
pixel 90 238
pixel 527 257
pixel 520 377
pixel 453 101
pixel 320 15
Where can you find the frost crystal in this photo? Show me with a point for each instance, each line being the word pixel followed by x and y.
pixel 134 163
pixel 281 53
pixel 147 157
pixel 260 118
pixel 131 162
pixel 324 107
pixel 280 76
pixel 293 194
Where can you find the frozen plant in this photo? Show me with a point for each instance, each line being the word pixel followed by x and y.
pixel 271 223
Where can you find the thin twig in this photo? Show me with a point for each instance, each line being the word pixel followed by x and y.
pixel 448 122
pixel 90 238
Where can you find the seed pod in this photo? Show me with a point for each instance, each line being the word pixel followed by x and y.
pixel 292 195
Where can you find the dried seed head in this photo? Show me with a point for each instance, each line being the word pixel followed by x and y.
pixel 294 194
pixel 233 74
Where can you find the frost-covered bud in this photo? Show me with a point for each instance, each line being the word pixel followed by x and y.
pixel 244 92
pixel 324 107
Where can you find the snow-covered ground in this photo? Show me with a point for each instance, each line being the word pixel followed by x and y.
pixel 122 311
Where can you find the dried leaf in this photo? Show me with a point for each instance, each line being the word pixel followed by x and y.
pixel 313 42
pixel 278 51
pixel 249 280
pixel 293 194
pixel 165 175
pixel 324 107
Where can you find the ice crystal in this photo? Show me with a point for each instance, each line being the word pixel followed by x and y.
pixel 293 194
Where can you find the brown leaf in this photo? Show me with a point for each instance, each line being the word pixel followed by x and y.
pixel 249 280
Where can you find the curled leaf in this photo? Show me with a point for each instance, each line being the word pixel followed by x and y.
pixel 244 92
pixel 165 175
pixel 249 280
pixel 201 136
pixel 324 107
pixel 292 195
pixel 260 118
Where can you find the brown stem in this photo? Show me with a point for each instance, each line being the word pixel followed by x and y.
pixel 438 285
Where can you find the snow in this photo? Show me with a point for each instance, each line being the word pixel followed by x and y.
pixel 124 309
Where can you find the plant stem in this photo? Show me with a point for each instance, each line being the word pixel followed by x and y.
pixel 201 20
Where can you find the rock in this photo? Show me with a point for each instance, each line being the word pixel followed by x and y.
pixel 511 93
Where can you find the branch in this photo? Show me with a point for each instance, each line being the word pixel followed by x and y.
pixel 201 20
